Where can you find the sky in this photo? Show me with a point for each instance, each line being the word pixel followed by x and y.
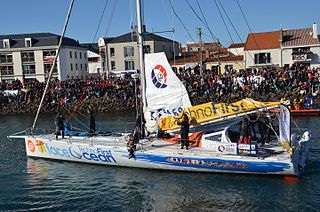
pixel 31 16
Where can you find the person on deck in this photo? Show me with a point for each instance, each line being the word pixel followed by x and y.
pixel 92 122
pixel 244 132
pixel 59 125
pixel 184 132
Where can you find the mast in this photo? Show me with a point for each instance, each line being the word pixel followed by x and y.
pixel 53 64
pixel 141 54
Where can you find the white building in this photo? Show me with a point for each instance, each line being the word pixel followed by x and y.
pixel 94 64
pixel 300 46
pixel 283 48
pixel 121 54
pixel 30 56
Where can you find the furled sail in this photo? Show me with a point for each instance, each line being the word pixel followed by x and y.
pixel 165 93
pixel 210 111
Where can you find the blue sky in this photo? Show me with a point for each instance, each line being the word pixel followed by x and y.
pixel 28 16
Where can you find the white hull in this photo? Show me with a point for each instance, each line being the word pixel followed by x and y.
pixel 156 155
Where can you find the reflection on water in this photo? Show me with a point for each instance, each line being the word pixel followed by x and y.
pixel 37 184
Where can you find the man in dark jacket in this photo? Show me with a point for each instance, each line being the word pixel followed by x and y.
pixel 184 132
pixel 92 122
pixel 59 125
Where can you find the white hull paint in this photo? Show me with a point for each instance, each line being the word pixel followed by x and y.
pixel 113 151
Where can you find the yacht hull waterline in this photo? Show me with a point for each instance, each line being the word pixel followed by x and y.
pixel 113 151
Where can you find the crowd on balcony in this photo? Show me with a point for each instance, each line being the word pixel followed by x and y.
pixel 294 83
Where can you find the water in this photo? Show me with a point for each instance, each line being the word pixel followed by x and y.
pixel 37 184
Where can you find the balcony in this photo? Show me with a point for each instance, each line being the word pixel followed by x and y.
pixel 301 57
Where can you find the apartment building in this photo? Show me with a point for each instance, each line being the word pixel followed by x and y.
pixel 30 56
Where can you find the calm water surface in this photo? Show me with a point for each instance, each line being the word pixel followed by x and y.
pixel 37 184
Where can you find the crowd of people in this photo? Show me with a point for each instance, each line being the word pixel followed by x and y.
pixel 294 83
pixel 102 95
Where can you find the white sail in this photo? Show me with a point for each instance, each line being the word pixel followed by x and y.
pixel 284 124
pixel 165 93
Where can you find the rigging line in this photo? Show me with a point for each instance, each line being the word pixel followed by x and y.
pixel 247 24
pixel 234 28
pixel 185 28
pixel 111 16
pixel 103 11
pixel 225 24
pixel 72 115
pixel 213 36
pixel 205 20
pixel 53 63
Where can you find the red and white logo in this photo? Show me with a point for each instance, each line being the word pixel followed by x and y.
pixel 31 146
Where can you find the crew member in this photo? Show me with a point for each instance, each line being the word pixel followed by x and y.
pixel 244 132
pixel 184 132
pixel 92 122
pixel 59 125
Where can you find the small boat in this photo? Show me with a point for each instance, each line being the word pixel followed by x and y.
pixel 305 112
pixel 214 134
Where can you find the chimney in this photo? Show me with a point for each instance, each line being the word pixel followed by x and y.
pixel 314 30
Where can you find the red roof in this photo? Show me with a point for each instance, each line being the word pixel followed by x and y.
pixel 236 45
pixel 203 44
pixel 263 40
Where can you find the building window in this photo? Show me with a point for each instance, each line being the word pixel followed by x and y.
pixel 6 43
pixel 49 55
pixel 128 51
pixel 81 67
pixel 27 56
pixel 113 65
pixel 71 67
pixel 86 67
pixel 28 42
pixel 76 66
pixel 70 54
pixel 47 68
pixel 262 58
pixel 80 55
pixel 112 52
pixel 129 65
pixel 146 49
pixel 85 55
pixel 75 55
pixel 6 70
pixel 29 69
pixel 6 58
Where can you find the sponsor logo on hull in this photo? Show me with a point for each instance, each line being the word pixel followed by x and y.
pixel 76 152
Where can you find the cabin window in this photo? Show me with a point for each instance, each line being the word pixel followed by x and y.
pixel 214 138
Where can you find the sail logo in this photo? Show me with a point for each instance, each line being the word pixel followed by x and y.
pixel 159 76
